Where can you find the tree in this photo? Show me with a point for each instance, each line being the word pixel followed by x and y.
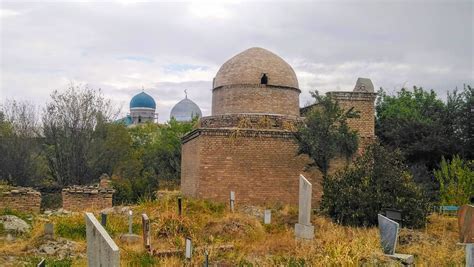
pixel 69 123
pixel 165 154
pixel 456 179
pixel 378 179
pixel 425 129
pixel 22 162
pixel 325 134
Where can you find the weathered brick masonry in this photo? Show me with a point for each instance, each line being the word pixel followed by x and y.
pixel 248 146
pixel 21 199
pixel 257 98
pixel 86 198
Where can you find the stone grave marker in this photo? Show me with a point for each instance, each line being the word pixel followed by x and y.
pixel 101 248
pixel 304 229
pixel 103 219
pixel 388 234
pixel 180 206
pixel 466 232
pixel 206 258
pixel 42 263
pixel 395 215
pixel 232 201
pixel 267 217
pixel 389 237
pixel 49 230
pixel 466 224
pixel 146 232
pixel 130 222
pixel 189 249
pixel 130 237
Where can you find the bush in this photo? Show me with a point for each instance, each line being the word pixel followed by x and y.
pixel 456 181
pixel 379 179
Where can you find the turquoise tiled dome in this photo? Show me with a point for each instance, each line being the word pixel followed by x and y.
pixel 142 100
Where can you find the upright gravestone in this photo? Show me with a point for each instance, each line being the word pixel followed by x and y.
pixel 189 249
pixel 103 219
pixel 389 238
pixel 180 206
pixel 49 230
pixel 388 234
pixel 146 232
pixel 267 216
pixel 304 229
pixel 232 201
pixel 101 249
pixel 466 231
pixel 130 237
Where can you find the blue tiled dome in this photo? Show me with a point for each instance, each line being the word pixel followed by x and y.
pixel 142 100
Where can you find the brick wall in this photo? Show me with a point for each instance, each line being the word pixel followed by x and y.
pixel 362 102
pixel 260 166
pixel 21 199
pixel 85 198
pixel 255 99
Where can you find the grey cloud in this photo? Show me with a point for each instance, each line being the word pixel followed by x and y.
pixel 166 48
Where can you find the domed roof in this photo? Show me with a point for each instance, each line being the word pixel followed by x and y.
pixel 142 100
pixel 185 110
pixel 249 66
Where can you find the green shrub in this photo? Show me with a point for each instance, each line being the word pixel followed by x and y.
pixel 379 179
pixel 456 181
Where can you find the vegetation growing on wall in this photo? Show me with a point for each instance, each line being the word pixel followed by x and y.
pixel 324 135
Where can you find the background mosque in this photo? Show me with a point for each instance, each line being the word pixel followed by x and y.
pixel 143 110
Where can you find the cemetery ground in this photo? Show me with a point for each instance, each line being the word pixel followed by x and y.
pixel 211 225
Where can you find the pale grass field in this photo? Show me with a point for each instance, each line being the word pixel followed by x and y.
pixel 255 244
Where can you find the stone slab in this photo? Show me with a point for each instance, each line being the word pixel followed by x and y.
pixel 303 231
pixel 388 234
pixel 101 248
pixel 406 259
pixel 470 255
pixel 466 224
pixel 304 204
pixel 267 217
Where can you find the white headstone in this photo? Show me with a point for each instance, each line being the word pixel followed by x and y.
pixel 304 229
pixel 470 254
pixel 232 200
pixel 267 217
pixel 101 248
pixel 130 221
pixel 189 249
pixel 146 231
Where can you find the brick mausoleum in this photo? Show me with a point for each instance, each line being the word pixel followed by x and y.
pixel 247 145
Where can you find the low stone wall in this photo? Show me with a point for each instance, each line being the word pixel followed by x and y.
pixel 23 199
pixel 87 198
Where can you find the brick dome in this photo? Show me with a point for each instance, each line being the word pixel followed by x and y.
pixel 249 66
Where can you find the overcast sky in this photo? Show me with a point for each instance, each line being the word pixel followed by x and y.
pixel 167 47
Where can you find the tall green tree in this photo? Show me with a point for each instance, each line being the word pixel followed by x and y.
pixel 325 135
pixel 69 122
pixel 425 129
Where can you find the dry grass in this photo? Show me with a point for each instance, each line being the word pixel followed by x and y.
pixel 210 225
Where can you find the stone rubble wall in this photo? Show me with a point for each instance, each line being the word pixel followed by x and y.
pixel 22 199
pixel 87 198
